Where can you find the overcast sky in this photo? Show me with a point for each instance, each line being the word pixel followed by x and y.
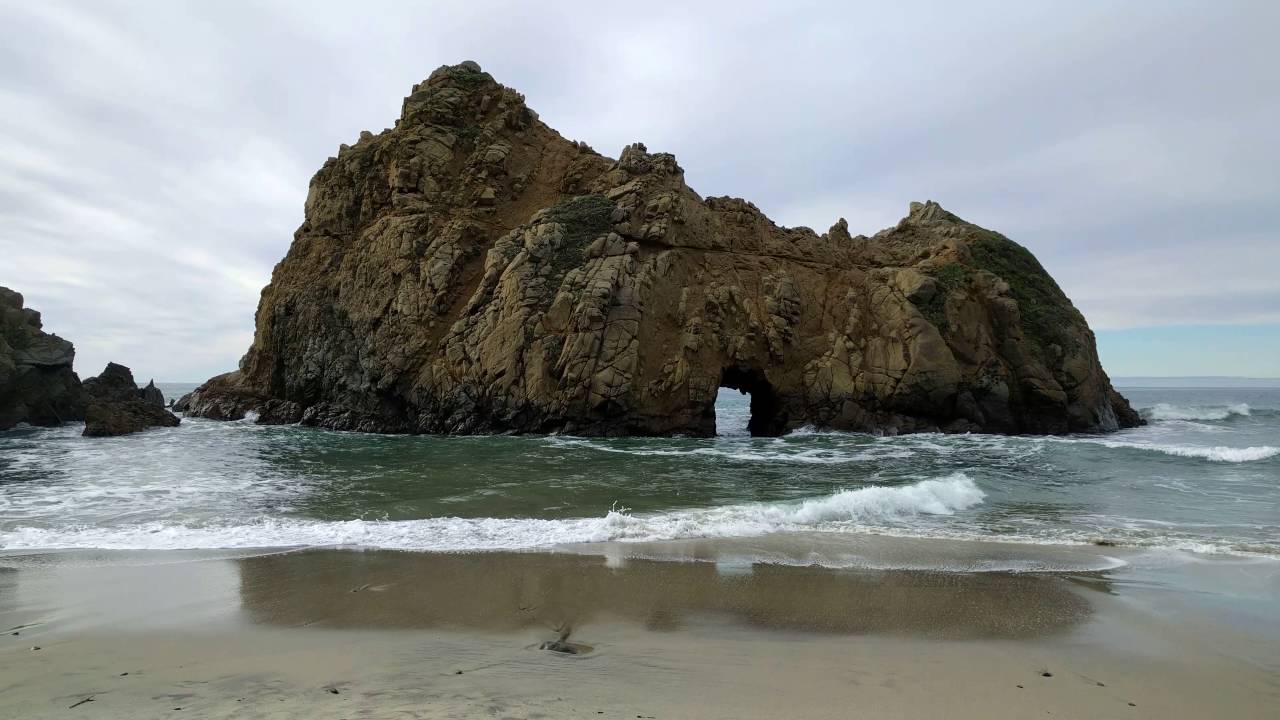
pixel 154 156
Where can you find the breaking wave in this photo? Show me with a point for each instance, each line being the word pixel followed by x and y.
pixel 1213 454
pixel 1167 411
pixel 845 510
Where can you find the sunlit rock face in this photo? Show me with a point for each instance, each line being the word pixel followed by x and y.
pixel 472 271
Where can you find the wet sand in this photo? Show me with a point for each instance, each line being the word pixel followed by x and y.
pixel 352 634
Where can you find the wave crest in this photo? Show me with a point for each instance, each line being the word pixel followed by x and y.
pixel 930 497
pixel 1214 454
pixel 943 496
pixel 1168 411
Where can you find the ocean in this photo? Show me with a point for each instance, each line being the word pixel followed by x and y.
pixel 1203 477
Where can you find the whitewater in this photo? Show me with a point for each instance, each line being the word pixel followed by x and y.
pixel 1200 477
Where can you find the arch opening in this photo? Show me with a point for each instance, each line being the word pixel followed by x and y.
pixel 767 417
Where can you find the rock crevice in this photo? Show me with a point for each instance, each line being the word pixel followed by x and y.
pixel 472 271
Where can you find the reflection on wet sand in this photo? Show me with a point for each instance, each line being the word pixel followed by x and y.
pixel 505 591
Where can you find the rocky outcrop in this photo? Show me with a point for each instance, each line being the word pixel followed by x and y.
pixel 37 384
pixel 152 395
pixel 470 270
pixel 116 406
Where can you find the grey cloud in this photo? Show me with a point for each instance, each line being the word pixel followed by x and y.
pixel 154 157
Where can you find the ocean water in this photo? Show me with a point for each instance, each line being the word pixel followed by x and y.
pixel 1202 478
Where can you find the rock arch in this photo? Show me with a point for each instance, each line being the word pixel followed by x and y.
pixel 768 411
pixel 470 270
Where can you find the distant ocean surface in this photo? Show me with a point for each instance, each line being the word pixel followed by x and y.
pixel 1202 477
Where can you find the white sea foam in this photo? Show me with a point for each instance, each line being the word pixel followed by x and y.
pixel 1167 411
pixel 841 511
pixel 750 451
pixel 1214 454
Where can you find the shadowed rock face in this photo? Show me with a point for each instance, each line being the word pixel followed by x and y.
pixel 37 384
pixel 116 406
pixel 472 271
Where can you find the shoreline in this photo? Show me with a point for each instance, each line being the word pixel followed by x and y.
pixel 868 548
pixel 512 493
pixel 398 633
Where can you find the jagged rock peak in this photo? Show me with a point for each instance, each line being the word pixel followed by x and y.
pixel 152 394
pixel 471 270
pixel 929 212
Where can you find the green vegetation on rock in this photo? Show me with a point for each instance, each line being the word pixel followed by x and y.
pixel 1048 317
pixel 584 218
pixel 949 278
pixel 468 78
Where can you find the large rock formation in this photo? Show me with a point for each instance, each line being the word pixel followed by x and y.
pixel 471 270
pixel 116 406
pixel 37 384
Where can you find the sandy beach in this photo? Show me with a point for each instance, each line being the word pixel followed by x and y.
pixel 351 634
pixel 693 361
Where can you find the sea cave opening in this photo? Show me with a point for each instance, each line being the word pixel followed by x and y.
pixel 759 414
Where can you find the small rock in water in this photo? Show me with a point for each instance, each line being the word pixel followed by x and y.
pixel 1046 673
pixel 333 691
pixel 115 405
